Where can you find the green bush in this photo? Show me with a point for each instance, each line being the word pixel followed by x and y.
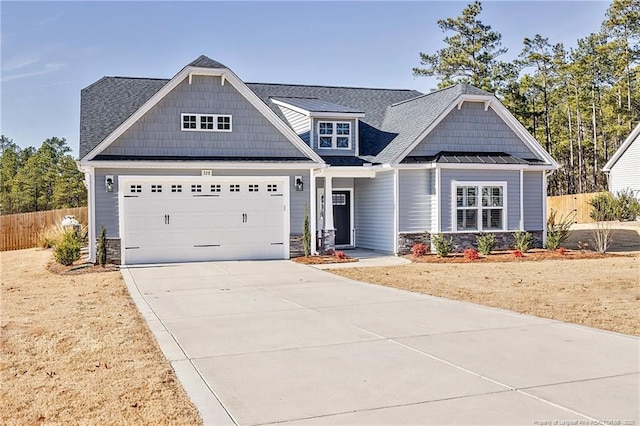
pixel 486 242
pixel 442 245
pixel 558 230
pixel 102 247
pixel 603 207
pixel 627 206
pixel 524 240
pixel 67 250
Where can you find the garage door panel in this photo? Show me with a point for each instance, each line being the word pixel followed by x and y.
pixel 166 220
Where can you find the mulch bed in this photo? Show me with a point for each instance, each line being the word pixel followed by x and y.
pixel 81 267
pixel 322 259
pixel 534 255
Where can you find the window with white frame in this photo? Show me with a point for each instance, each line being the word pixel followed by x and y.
pixel 206 123
pixel 334 135
pixel 480 207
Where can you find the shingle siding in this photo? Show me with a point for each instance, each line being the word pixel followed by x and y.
pixel 472 129
pixel 159 132
pixel 416 192
pixel 513 193
pixel 300 123
pixel 107 202
pixel 374 212
pixel 625 173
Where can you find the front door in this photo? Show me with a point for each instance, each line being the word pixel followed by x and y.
pixel 342 217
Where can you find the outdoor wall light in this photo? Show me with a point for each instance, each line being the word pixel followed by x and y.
pixel 299 183
pixel 108 183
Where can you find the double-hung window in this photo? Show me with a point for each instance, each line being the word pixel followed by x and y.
pixel 480 206
pixel 206 123
pixel 334 135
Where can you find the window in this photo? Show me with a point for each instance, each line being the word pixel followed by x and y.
pixel 196 188
pixel 234 188
pixel 176 188
pixel 334 135
pixel 156 188
pixel 480 206
pixel 253 187
pixel 135 188
pixel 272 187
pixel 215 188
pixel 206 123
pixel 339 199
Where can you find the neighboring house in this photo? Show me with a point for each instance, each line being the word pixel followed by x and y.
pixel 623 168
pixel 206 167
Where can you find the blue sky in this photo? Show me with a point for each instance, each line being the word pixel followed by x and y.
pixel 51 50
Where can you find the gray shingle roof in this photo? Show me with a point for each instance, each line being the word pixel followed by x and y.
pixel 316 105
pixel 205 62
pixel 410 118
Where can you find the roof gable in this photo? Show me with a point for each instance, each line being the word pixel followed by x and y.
pixel 633 136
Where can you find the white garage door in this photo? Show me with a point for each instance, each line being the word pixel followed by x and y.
pixel 180 219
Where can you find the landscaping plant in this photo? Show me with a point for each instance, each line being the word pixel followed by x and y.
pixel 420 249
pixel 102 247
pixel 602 236
pixel 67 250
pixel 340 255
pixel 471 254
pixel 603 207
pixel 486 242
pixel 442 245
pixel 627 206
pixel 558 230
pixel 518 253
pixel 524 240
pixel 306 233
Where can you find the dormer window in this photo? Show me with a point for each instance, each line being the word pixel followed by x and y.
pixel 206 123
pixel 334 135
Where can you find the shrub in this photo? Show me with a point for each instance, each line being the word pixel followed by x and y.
pixel 340 255
pixel 442 245
pixel 67 250
pixel 306 233
pixel 524 240
pixel 102 247
pixel 561 251
pixel 558 230
pixel 603 207
pixel 602 236
pixel 420 249
pixel 486 242
pixel 50 236
pixel 627 206
pixel 518 253
pixel 471 254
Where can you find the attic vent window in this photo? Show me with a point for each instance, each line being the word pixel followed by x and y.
pixel 334 135
pixel 206 122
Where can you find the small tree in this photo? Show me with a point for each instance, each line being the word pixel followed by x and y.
pixel 602 236
pixel 306 232
pixel 102 246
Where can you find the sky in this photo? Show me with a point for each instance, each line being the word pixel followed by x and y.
pixel 49 51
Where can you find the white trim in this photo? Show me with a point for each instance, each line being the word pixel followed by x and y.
pixel 199 117
pixel 396 210
pixel 356 137
pixel 522 199
pixel 220 165
pixel 544 209
pixel 236 83
pixel 438 223
pixel 91 202
pixel 349 171
pixel 622 149
pixel 334 135
pixel 479 208
pixel 502 112
pixel 352 238
pixel 313 215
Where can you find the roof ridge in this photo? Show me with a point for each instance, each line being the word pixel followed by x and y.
pixel 333 87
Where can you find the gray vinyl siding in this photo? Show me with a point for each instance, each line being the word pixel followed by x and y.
pixel 513 192
pixel 625 173
pixel 416 192
pixel 325 151
pixel 300 123
pixel 159 132
pixel 472 129
pixel 534 214
pixel 107 209
pixel 374 212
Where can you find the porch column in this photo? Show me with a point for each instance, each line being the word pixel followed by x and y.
pixel 328 231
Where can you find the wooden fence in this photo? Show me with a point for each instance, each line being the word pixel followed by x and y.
pixel 577 204
pixel 24 230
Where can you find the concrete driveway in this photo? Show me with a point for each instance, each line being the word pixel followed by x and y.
pixel 274 341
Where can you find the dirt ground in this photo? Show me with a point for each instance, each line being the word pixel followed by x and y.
pixel 75 350
pixel 602 292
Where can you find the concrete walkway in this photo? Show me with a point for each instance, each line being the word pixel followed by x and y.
pixel 274 341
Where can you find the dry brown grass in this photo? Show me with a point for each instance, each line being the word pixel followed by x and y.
pixel 74 349
pixel 602 292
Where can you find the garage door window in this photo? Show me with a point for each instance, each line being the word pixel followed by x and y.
pixel 215 188
pixel 176 188
pixel 196 188
pixel 253 188
pixel 272 188
pixel 234 188
pixel 136 188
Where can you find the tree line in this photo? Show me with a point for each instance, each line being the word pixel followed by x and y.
pixel 580 103
pixel 40 179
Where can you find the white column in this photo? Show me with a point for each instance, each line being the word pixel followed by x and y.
pixel 313 214
pixel 328 204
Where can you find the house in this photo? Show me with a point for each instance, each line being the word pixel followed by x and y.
pixel 204 166
pixel 622 168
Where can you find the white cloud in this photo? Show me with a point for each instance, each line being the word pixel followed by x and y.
pixel 29 71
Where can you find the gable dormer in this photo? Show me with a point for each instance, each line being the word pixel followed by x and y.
pixel 328 128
